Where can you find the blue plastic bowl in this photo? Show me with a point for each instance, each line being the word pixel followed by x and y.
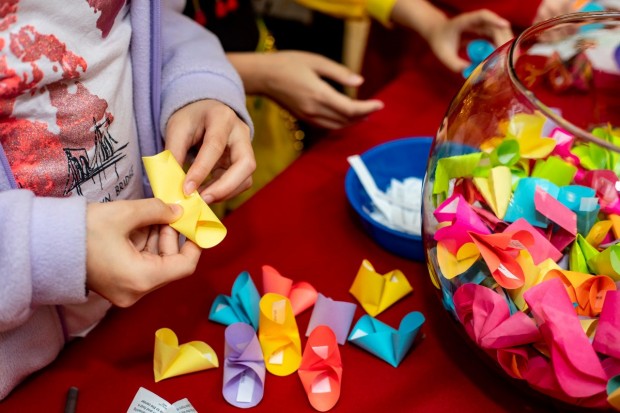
pixel 399 159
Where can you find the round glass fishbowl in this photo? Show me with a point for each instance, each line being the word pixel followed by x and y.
pixel 521 209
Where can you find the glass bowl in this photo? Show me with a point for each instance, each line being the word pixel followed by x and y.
pixel 521 209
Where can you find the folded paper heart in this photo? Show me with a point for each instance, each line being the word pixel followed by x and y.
pixel 453 265
pixel 486 318
pixel 385 342
pixel 241 306
pixel 278 335
pixel 171 359
pixel 198 223
pixel 337 315
pixel 321 369
pixel 244 367
pixel 459 218
pixel 302 295
pixel 577 367
pixel 376 292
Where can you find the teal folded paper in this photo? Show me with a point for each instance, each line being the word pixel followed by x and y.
pixel 241 306
pixel 385 342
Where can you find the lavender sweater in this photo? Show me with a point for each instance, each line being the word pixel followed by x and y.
pixel 174 63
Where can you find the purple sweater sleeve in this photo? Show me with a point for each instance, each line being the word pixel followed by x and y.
pixel 195 66
pixel 42 254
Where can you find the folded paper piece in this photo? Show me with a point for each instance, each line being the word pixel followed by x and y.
pixel 321 369
pixel 240 306
pixel 556 212
pixel 496 189
pixel 542 248
pixel 145 401
pixel 302 295
pixel 198 223
pixel 453 265
pixel 576 365
pixel 500 252
pixel 171 359
pixel 377 292
pixel 385 342
pixel 486 318
pixel 607 262
pixel 459 166
pixel 613 392
pixel 607 337
pixel 278 335
pixel 527 130
pixel 244 367
pixel 522 202
pixel 461 219
pixel 337 315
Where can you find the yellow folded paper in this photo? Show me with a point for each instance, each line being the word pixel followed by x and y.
pixel 376 292
pixel 171 359
pixel 278 335
pixel 198 223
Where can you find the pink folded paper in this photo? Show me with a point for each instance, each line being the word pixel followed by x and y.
pixel 558 213
pixel 500 252
pixel 487 320
pixel 302 295
pixel 604 183
pixel 575 363
pixel 462 219
pixel 607 339
pixel 542 248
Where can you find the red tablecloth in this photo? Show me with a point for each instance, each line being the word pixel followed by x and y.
pixel 302 225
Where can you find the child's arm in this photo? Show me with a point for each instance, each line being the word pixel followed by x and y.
pixel 195 69
pixel 42 254
pixel 295 80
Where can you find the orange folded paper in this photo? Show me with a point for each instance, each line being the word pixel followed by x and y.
pixel 321 369
pixel 302 295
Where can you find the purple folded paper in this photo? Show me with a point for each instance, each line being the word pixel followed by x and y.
pixel 244 366
pixel 337 315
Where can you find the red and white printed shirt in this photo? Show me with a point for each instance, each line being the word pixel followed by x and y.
pixel 66 114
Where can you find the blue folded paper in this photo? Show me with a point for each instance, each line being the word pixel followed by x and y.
pixel 385 342
pixel 241 306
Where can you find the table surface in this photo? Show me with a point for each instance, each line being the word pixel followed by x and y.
pixel 302 225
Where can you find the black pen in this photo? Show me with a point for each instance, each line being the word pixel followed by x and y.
pixel 71 401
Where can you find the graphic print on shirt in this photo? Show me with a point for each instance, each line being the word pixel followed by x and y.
pixel 55 131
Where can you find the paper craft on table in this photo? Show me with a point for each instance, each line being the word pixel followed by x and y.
pixel 241 306
pixel 337 315
pixel 302 295
pixel 278 335
pixel 376 292
pixel 400 207
pixel 577 366
pixel 171 359
pixel 198 223
pixel 244 366
pixel 145 401
pixel 385 342
pixel 321 369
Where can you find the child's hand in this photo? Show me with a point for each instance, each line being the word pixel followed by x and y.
pixel 552 8
pixel 225 149
pixel 294 80
pixel 445 39
pixel 129 254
